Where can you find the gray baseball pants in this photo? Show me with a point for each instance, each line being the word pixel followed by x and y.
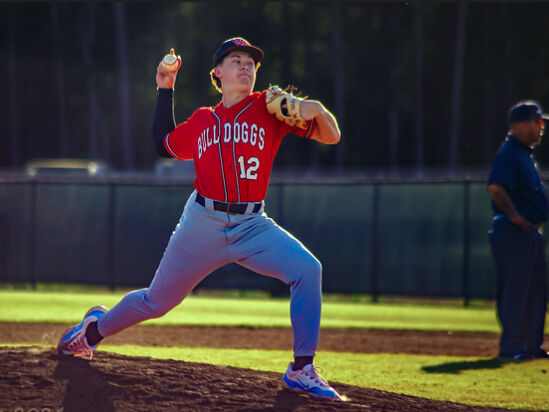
pixel 205 240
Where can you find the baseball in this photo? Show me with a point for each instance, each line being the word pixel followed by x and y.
pixel 169 62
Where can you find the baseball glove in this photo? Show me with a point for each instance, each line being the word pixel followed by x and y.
pixel 285 106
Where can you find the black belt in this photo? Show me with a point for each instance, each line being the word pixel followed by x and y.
pixel 231 208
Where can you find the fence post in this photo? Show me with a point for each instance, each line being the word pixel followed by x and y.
pixel 33 223
pixel 466 244
pixel 111 222
pixel 374 261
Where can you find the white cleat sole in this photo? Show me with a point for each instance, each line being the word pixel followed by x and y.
pixel 83 355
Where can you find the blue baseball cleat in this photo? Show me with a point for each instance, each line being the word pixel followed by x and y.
pixel 73 341
pixel 308 381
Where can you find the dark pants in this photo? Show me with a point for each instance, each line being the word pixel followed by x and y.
pixel 519 259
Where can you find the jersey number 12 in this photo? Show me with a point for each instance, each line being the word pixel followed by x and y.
pixel 251 172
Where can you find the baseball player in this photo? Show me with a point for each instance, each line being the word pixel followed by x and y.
pixel 233 146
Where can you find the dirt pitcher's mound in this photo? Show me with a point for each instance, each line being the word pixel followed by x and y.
pixel 34 377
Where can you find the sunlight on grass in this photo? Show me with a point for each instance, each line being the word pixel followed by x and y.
pixel 64 307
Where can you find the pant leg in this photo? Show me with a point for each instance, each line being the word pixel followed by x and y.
pixel 514 254
pixel 195 249
pixel 537 302
pixel 261 245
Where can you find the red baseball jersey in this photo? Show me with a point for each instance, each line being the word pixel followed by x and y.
pixel 233 149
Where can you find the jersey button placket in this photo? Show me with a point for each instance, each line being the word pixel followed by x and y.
pixel 229 170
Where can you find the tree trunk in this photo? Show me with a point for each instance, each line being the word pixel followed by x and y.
pixel 455 118
pixel 89 30
pixel 418 88
pixel 338 79
pixel 392 118
pixel 488 95
pixel 392 107
pixel 13 103
pixel 59 68
pixel 311 76
pixel 507 35
pixel 123 81
pixel 286 39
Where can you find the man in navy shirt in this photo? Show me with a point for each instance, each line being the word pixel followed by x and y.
pixel 519 202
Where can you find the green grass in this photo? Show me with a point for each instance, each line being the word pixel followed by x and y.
pixel 68 307
pixel 473 381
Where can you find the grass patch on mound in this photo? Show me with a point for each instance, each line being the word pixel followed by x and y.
pixel 69 307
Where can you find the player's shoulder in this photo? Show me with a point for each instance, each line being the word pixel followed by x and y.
pixel 505 153
pixel 509 148
pixel 259 96
pixel 261 99
pixel 507 156
pixel 254 98
pixel 202 112
pixel 204 109
pixel 262 94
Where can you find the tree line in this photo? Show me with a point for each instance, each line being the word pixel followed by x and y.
pixel 416 86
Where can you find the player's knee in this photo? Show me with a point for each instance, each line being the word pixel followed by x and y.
pixel 159 309
pixel 312 269
pixel 317 266
pixel 317 270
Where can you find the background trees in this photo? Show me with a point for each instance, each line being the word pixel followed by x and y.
pixel 415 86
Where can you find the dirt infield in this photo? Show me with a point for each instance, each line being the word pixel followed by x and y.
pixel 340 340
pixel 34 377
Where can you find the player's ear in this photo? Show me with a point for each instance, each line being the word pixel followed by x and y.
pixel 217 72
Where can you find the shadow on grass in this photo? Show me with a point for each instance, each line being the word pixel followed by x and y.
pixel 457 367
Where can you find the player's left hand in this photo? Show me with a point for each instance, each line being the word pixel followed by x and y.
pixel 292 109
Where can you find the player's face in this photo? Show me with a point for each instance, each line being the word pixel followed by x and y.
pixel 237 72
pixel 537 129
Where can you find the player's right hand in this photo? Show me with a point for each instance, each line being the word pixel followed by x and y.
pixel 165 79
pixel 521 222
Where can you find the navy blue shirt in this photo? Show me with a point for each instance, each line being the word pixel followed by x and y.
pixel 514 169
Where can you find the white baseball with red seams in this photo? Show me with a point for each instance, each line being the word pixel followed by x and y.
pixel 170 63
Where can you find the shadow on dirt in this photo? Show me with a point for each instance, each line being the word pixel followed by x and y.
pixel 85 385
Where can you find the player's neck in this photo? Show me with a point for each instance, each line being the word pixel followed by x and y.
pixel 230 99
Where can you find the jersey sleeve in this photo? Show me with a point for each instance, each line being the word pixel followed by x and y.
pixel 179 142
pixel 505 171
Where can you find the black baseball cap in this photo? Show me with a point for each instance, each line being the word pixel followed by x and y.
pixel 237 43
pixel 525 111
